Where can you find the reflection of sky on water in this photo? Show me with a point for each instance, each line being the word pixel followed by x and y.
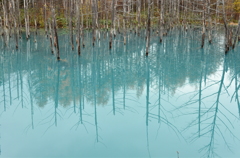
pixel 96 105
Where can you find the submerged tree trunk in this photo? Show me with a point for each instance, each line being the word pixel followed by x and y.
pixel 26 18
pixel 161 20
pixel 82 24
pixel 112 24
pixel 54 33
pixel 51 37
pixel 226 28
pixel 210 22
pixel 45 16
pixel 35 23
pixel 236 34
pixel 16 34
pixel 148 27
pixel 106 14
pixel 138 16
pixel 56 38
pixel 19 23
pixel 14 15
pixel 78 27
pixel 204 23
pixel 94 20
pixel 71 23
pixel 124 22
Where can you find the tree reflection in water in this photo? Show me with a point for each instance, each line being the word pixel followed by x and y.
pixel 32 78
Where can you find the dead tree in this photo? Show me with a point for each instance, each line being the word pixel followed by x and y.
pixel 14 13
pixel 19 17
pixel 6 23
pixel 148 27
pixel 236 34
pixel 113 23
pixel 94 20
pixel 161 20
pixel 209 21
pixel 226 28
pixel 54 33
pixel 78 26
pixel 35 23
pixel 51 37
pixel 138 16
pixel 56 38
pixel 106 14
pixel 26 18
pixel 71 22
pixel 124 22
pixel 204 22
pixel 45 15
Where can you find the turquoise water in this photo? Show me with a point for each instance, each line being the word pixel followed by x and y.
pixel 179 101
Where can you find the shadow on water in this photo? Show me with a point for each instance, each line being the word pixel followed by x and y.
pixel 176 80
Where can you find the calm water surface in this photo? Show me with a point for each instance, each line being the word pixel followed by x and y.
pixel 179 101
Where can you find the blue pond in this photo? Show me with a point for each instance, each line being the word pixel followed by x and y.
pixel 180 101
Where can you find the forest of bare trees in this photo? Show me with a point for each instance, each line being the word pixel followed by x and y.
pixel 118 17
pixel 105 44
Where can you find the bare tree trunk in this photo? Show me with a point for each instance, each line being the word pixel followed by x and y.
pixel 138 16
pixel 71 23
pixel 118 24
pixel 130 18
pixel 175 10
pixel 210 22
pixel 114 21
pixel 51 28
pixel 178 6
pixel 204 22
pixel 66 10
pixel 217 14
pixel 16 34
pixel 5 25
pixel 102 12
pixel 236 34
pixel 144 5
pixel 78 27
pixel 94 20
pixel 82 25
pixel 45 16
pixel 148 27
pixel 106 14
pixel 35 23
pixel 170 15
pixel 1 27
pixel 112 24
pixel 230 37
pixel 104 7
pixel 19 18
pixel 15 21
pixel 54 27
pixel 161 20
pixel 10 17
pixel 51 37
pixel 226 28
pixel 26 17
pixel 87 17
pixel 124 22
pixel 56 38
